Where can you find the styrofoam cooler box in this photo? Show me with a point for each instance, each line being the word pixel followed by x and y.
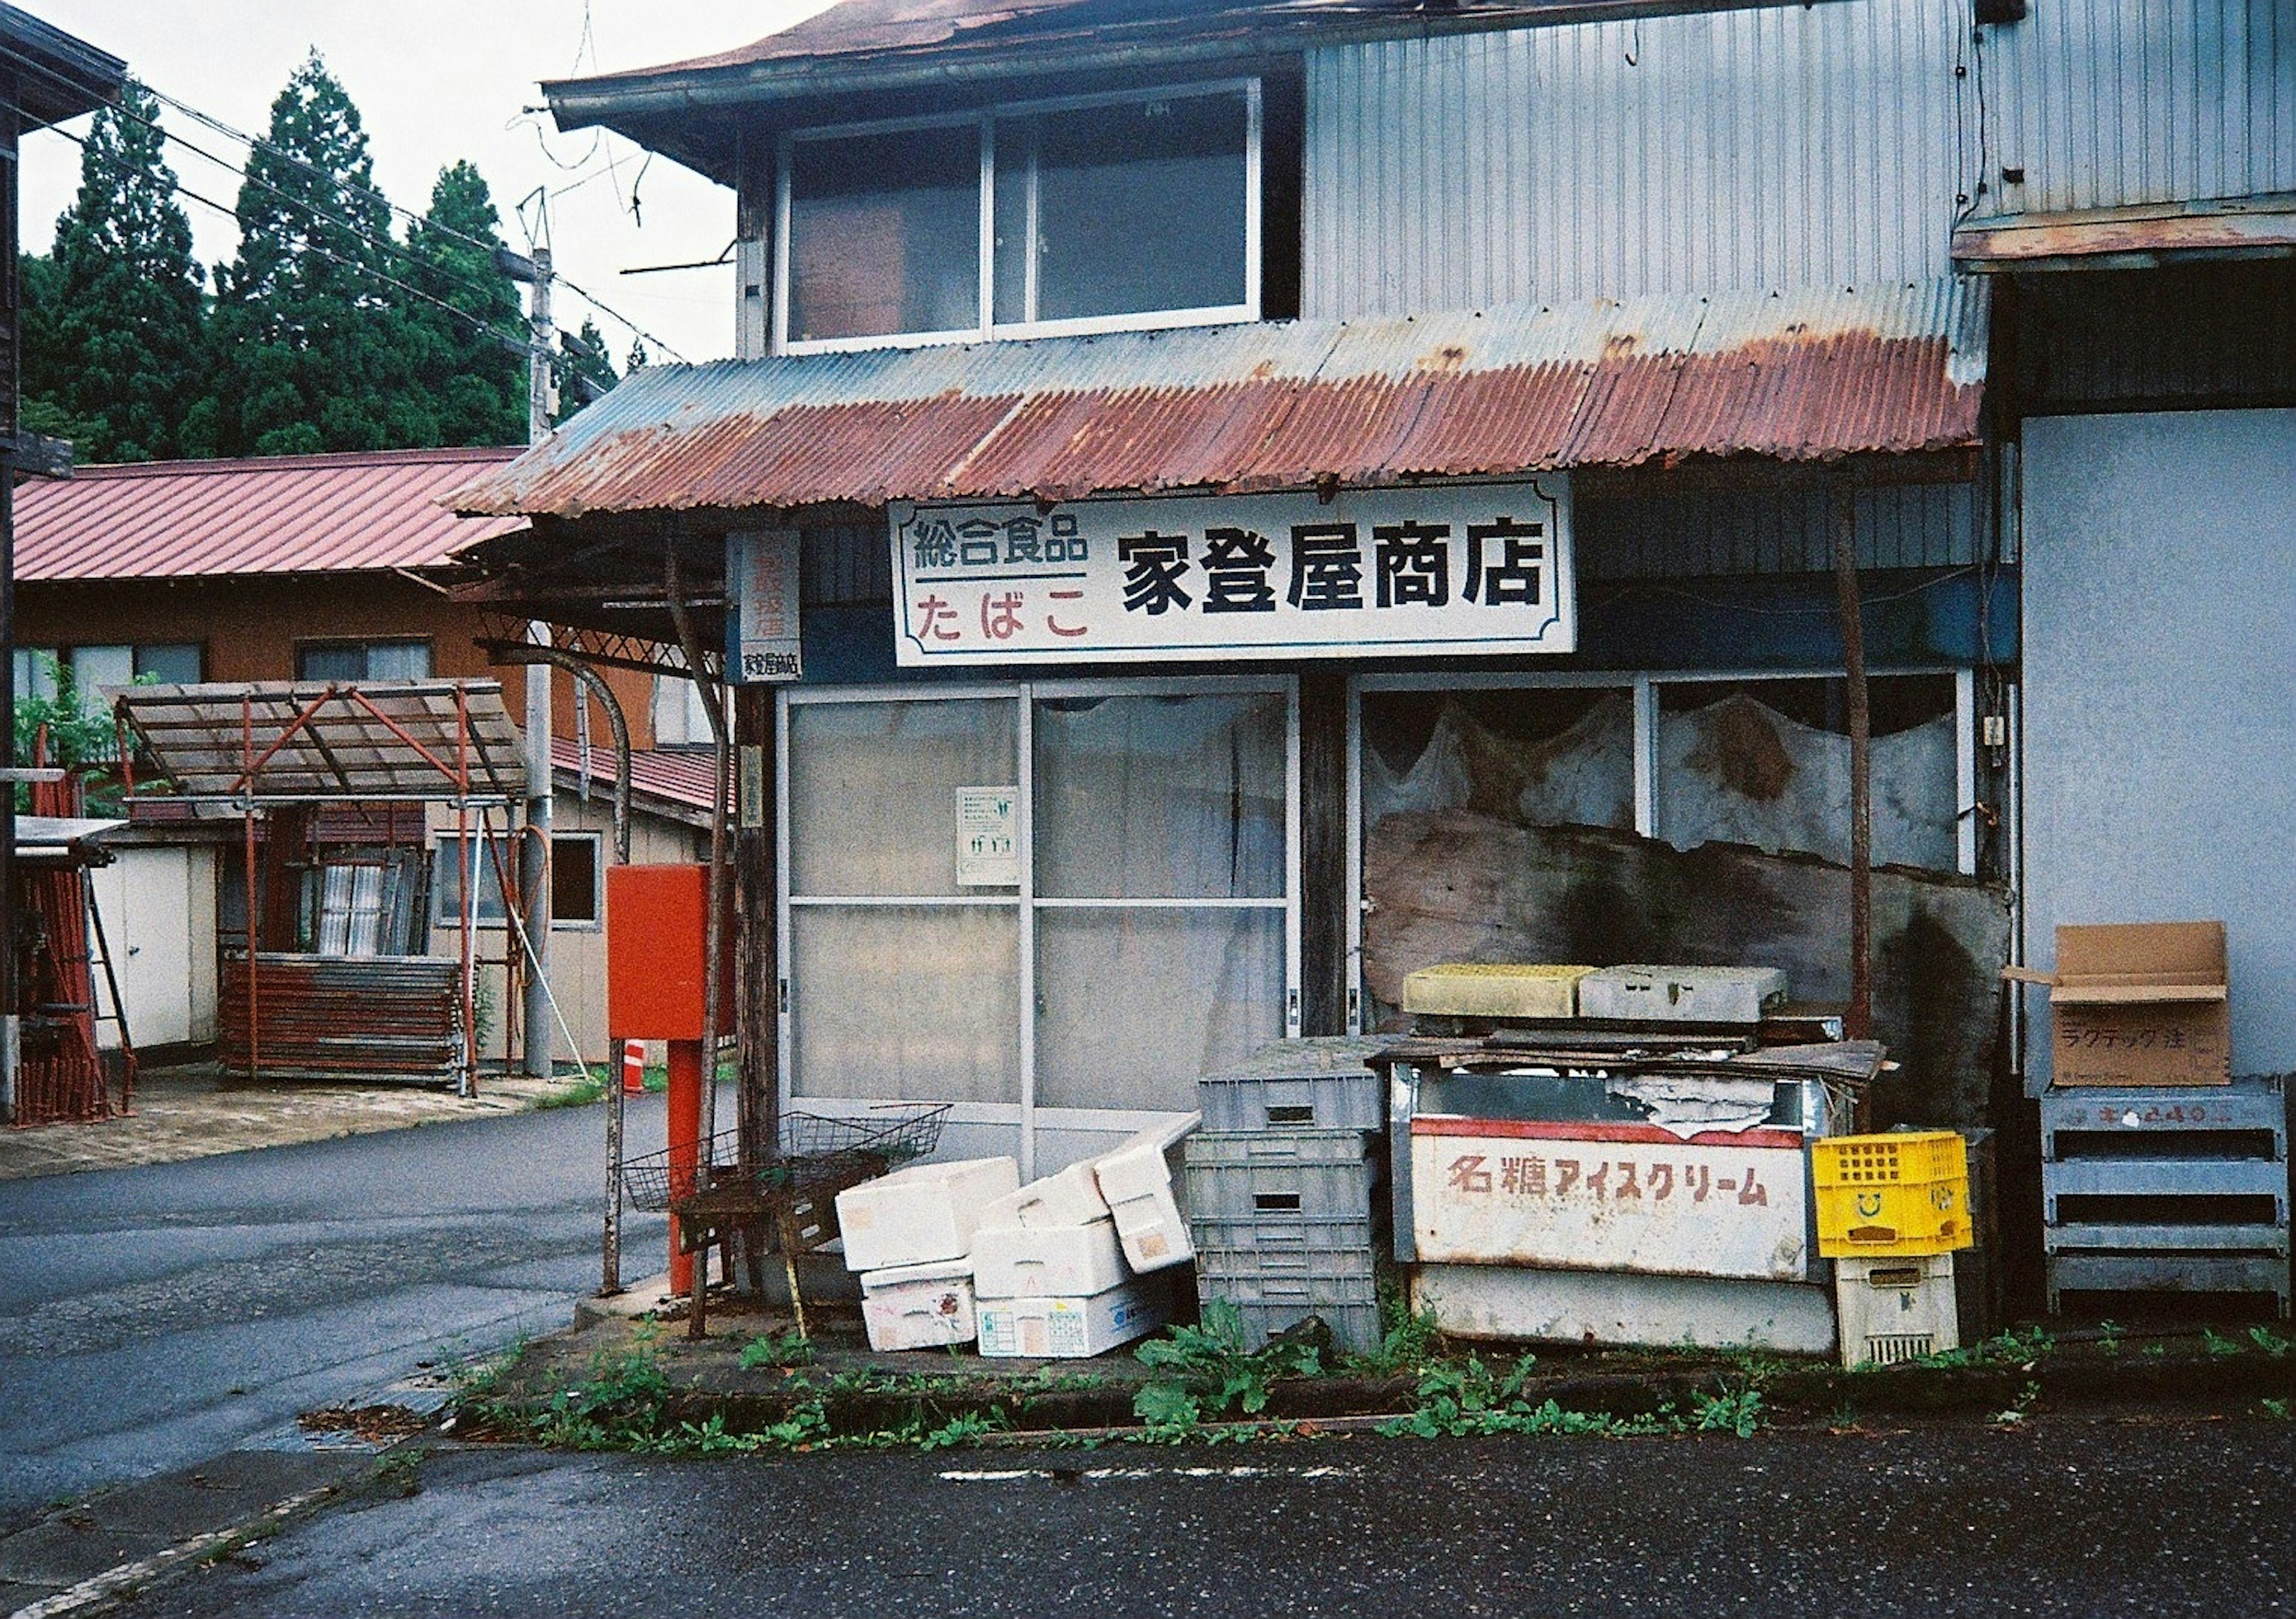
pixel 1070 1198
pixel 1683 994
pixel 1065 1329
pixel 1046 1261
pixel 925 1213
pixel 919 1306
pixel 1493 989
pixel 1137 1180
pixel 1899 1308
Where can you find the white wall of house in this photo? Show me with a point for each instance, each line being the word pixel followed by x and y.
pixel 2159 635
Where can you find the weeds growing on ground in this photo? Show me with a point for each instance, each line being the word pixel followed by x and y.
pixel 784 1347
pixel 1208 1373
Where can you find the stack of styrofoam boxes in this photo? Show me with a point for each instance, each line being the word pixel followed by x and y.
pixel 1283 1189
pixel 1051 1275
pixel 910 1235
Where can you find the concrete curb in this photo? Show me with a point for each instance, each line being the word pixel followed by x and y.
pixel 130 1580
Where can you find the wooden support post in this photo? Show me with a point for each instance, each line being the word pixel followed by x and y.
pixel 689 1273
pixel 1323 897
pixel 1859 1023
pixel 756 913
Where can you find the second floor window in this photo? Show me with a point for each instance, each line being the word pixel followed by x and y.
pixel 1132 211
pixel 363 661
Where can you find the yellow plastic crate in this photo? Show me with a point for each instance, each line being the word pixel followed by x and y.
pixel 1495 989
pixel 1905 1192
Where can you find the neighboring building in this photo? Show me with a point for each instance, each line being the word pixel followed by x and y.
pixel 1366 480
pixel 320 568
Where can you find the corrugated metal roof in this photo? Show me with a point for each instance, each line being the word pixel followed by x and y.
pixel 1800 376
pixel 177 519
pixel 679 776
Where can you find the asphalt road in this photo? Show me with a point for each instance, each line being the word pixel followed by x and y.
pixel 2057 1516
pixel 156 1316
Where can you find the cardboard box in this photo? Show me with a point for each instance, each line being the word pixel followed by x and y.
pixel 2138 1003
pixel 918 1306
pixel 1066 1329
pixel 925 1213
pixel 1046 1261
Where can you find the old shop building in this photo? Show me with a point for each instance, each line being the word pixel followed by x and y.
pixel 1359 487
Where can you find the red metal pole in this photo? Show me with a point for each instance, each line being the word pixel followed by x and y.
pixel 685 1064
pixel 247 740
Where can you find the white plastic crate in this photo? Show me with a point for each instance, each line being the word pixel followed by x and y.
pixel 1899 1308
pixel 1046 1261
pixel 1072 1328
pixel 925 1213
pixel 1682 994
pixel 1137 1182
pixel 918 1306
pixel 1070 1198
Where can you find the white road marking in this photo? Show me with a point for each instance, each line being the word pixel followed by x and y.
pixel 1006 1475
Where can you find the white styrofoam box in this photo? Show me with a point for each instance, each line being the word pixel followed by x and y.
pixel 1064 1328
pixel 921 1214
pixel 1899 1308
pixel 1045 1260
pixel 919 1306
pixel 1137 1180
pixel 1682 994
pixel 1070 1198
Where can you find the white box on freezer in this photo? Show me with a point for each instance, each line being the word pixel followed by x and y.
pixel 1071 1328
pixel 919 1306
pixel 921 1214
pixel 1683 994
pixel 1046 1261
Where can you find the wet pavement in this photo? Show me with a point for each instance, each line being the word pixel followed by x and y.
pixel 156 1316
pixel 2142 1514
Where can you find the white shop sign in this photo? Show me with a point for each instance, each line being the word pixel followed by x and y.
pixel 1446 568
pixel 1610 1199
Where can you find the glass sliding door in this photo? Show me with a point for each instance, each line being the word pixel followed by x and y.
pixel 1140 928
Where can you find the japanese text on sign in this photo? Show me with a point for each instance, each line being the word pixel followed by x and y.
pixel 761 620
pixel 1442 568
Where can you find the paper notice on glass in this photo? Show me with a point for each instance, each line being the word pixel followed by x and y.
pixel 987 838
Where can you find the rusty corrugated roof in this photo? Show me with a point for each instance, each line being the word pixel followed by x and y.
pixel 175 520
pixel 682 777
pixel 1803 376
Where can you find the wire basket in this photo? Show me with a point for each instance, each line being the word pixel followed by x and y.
pixel 815 1151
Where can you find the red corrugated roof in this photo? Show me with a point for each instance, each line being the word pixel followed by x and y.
pixel 1807 375
pixel 175 519
pixel 677 775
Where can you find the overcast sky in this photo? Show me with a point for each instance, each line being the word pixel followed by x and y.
pixel 436 80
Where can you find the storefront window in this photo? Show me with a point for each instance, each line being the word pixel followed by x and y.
pixel 1141 923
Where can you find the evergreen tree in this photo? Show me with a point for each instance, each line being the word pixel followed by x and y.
pixel 313 350
pixel 113 351
pixel 471 388
pixel 584 370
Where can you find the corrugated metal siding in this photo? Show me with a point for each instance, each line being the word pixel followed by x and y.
pixel 1711 534
pixel 2106 104
pixel 1780 147
pixel 2185 335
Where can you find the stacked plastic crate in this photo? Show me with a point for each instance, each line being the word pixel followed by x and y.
pixel 1284 1189
pixel 1892 1210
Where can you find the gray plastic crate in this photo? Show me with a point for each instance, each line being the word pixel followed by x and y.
pixel 1308 1292
pixel 1218 1267
pixel 1318 1083
pixel 1355 1327
pixel 1288 1233
pixel 1305 1175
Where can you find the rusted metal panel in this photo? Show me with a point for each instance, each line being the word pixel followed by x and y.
pixel 1294 405
pixel 380 1017
pixel 2132 238
pixel 280 514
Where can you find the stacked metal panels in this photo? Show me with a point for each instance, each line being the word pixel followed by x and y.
pixel 1286 1190
pixel 2167 1191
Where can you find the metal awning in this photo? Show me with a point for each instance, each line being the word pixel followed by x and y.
pixel 1811 376
pixel 63 841
pixel 2140 238
pixel 228 747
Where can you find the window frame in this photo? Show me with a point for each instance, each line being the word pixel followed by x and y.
pixel 446 917
pixel 983 122
pixel 366 645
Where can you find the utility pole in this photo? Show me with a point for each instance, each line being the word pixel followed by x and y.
pixel 534 861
